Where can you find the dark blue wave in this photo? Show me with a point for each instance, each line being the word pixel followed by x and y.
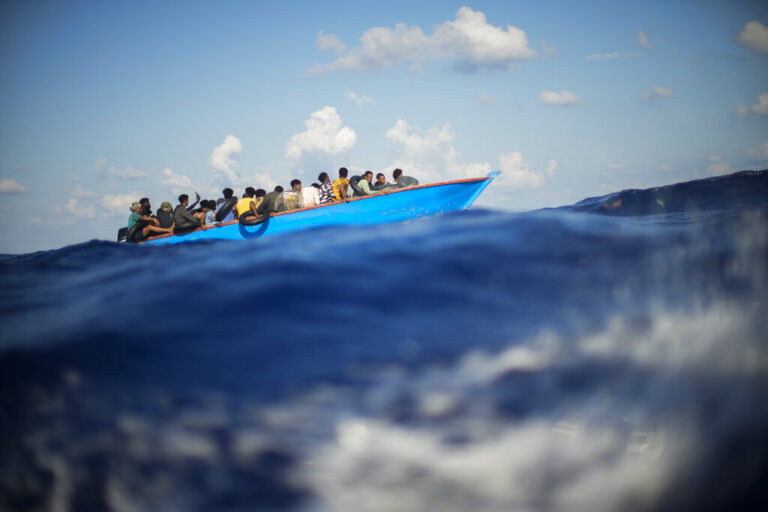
pixel 268 374
pixel 745 189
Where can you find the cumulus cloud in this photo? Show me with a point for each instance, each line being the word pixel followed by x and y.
pixel 657 92
pixel 118 204
pixel 717 167
pixel 176 183
pixel 359 100
pixel 222 159
pixel 562 98
pixel 469 39
pixel 75 209
pixel 9 186
pixel 754 36
pixel 488 101
pixel 642 40
pixel 760 152
pixel 759 108
pixel 325 137
pixel 517 173
pixel 103 169
pixel 432 157
pixel 81 192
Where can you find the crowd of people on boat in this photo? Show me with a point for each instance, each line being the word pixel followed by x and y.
pixel 255 203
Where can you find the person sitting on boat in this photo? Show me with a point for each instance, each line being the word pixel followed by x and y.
pixel 290 199
pixel 365 184
pixel 311 195
pixel 145 226
pixel 326 188
pixel 341 186
pixel 403 181
pixel 269 204
pixel 209 209
pixel 165 215
pixel 225 206
pixel 184 220
pixel 248 205
pixel 381 180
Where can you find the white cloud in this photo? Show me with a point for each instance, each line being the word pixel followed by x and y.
pixel 325 136
pixel 717 167
pixel 176 183
pixel 101 168
pixel 360 100
pixel 75 209
pixel 662 92
pixel 431 157
pixel 469 39
pixel 754 36
pixel 222 161
pixel 760 152
pixel 642 40
pixel 562 98
pixel 81 192
pixel 759 108
pixel 488 101
pixel 9 186
pixel 657 92
pixel 516 173
pixel 118 204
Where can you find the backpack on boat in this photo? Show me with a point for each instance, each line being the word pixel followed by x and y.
pixel 289 200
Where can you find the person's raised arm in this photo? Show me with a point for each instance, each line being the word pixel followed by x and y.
pixel 197 200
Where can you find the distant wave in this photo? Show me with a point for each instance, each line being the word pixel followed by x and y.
pixel 745 189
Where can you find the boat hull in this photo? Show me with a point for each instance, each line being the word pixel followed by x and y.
pixel 391 206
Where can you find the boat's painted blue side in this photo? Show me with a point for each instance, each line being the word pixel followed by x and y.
pixel 391 206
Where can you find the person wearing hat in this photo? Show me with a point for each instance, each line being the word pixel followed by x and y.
pixel 148 226
pixel 165 215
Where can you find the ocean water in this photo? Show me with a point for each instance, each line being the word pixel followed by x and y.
pixel 608 355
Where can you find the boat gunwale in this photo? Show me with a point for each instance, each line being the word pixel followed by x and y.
pixel 333 203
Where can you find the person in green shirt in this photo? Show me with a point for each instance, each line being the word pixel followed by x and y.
pixel 365 184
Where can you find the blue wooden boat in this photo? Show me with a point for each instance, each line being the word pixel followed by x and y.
pixel 394 205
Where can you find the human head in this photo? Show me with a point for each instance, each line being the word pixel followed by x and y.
pixel 296 184
pixel 368 175
pixel 279 188
pixel 135 206
pixel 184 199
pixel 205 205
pixel 250 192
pixel 146 208
pixel 166 206
pixel 380 178
pixel 397 173
pixel 261 192
pixel 227 193
pixel 323 177
pixel 343 172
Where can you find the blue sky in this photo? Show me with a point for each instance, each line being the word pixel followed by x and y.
pixel 105 102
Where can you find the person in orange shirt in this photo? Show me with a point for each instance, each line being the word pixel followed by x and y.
pixel 341 186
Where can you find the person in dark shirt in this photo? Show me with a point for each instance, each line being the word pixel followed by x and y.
pixel 165 215
pixel 184 220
